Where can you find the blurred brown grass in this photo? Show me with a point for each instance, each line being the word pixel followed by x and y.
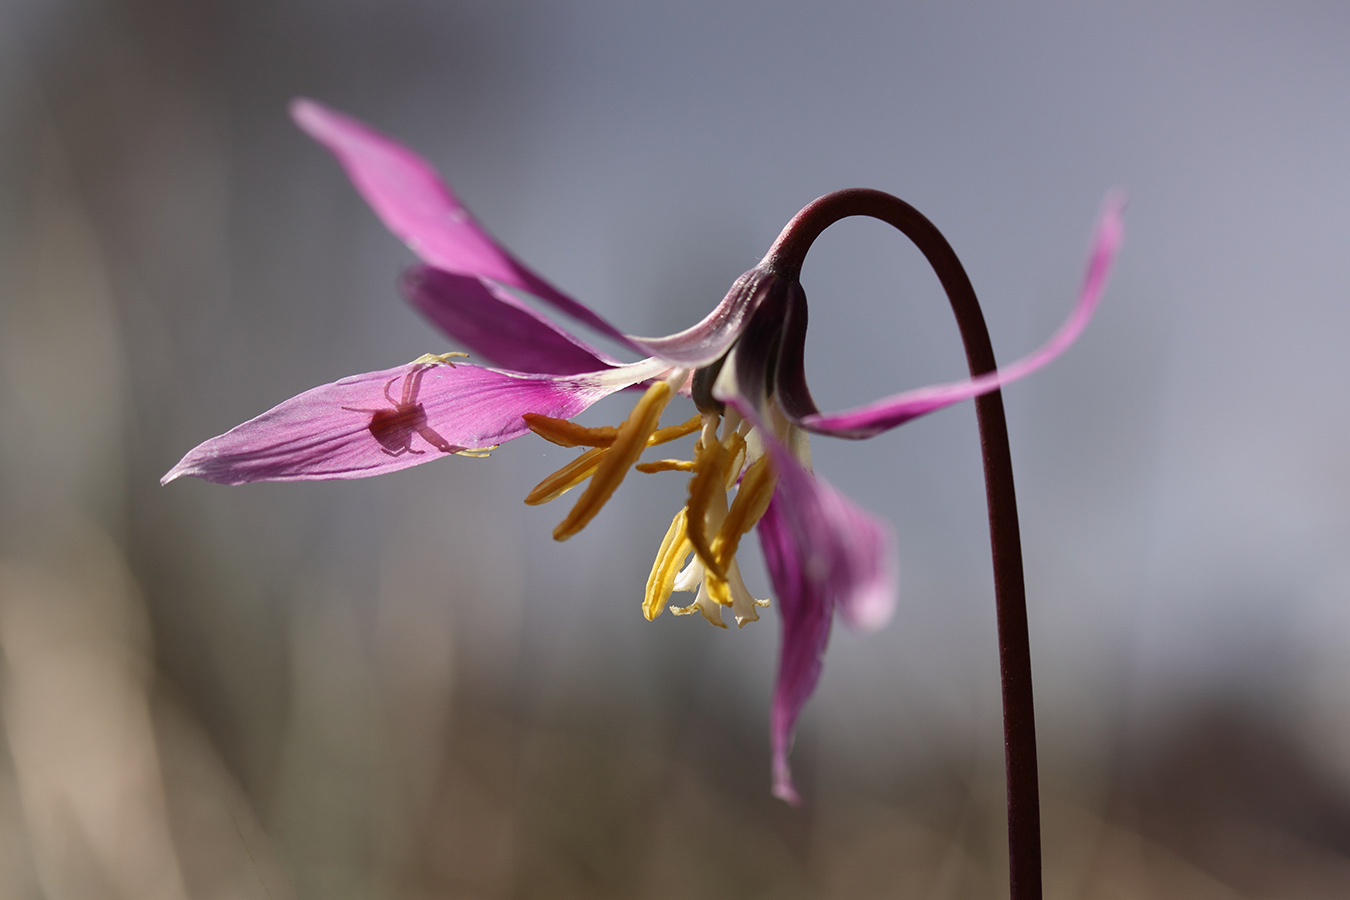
pixel 110 788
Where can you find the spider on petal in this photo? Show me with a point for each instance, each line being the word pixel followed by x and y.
pixel 395 426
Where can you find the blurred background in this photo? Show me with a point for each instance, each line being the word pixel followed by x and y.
pixel 402 688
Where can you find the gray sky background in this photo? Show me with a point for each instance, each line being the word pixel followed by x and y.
pixel 1182 470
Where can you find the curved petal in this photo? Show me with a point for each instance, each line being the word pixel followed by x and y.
pixel 494 324
pixel 384 421
pixel 806 630
pixel 414 203
pixel 874 418
pixel 707 341
pixel 743 377
pixel 823 553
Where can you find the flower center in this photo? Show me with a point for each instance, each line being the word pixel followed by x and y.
pixel 709 527
pixel 727 456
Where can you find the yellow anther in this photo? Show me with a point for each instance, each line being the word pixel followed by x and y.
pixel 707 483
pixel 566 478
pixel 665 465
pixel 569 434
pixel 477 452
pixel 437 359
pixel 719 589
pixel 711 528
pixel 736 451
pixel 674 548
pixel 674 432
pixel 628 445
pixel 746 510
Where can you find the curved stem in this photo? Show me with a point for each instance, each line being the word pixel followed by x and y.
pixel 1019 720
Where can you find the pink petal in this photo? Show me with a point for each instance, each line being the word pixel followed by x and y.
pixel 822 553
pixel 705 342
pixel 806 617
pixel 353 428
pixel 493 323
pixel 417 206
pixel 887 413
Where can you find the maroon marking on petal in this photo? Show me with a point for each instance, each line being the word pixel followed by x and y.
pixel 394 428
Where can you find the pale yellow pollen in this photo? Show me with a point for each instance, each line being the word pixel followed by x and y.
pixel 437 359
pixel 661 583
pixel 566 478
pixel 628 445
pixel 477 452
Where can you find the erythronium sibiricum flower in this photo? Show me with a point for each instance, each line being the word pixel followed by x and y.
pixel 750 465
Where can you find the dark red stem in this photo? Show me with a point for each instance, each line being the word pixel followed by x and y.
pixel 1010 599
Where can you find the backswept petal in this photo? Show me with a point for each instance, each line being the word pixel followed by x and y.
pixel 806 617
pixel 414 203
pixel 328 432
pixel 869 420
pixel 823 553
pixel 707 341
pixel 494 324
pixel 743 377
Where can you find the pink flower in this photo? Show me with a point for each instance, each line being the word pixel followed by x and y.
pixel 742 365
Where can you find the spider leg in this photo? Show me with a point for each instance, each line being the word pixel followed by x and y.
pixel 431 437
pixel 388 385
pixel 411 385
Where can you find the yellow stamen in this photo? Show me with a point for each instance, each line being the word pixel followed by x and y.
pixel 718 588
pixel 566 478
pixel 569 434
pixel 565 433
pixel 736 448
pixel 674 432
pixel 710 527
pixel 708 480
pixel 674 548
pixel 628 445
pixel 746 510
pixel 665 465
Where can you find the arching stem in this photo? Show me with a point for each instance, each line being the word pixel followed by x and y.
pixel 1019 720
